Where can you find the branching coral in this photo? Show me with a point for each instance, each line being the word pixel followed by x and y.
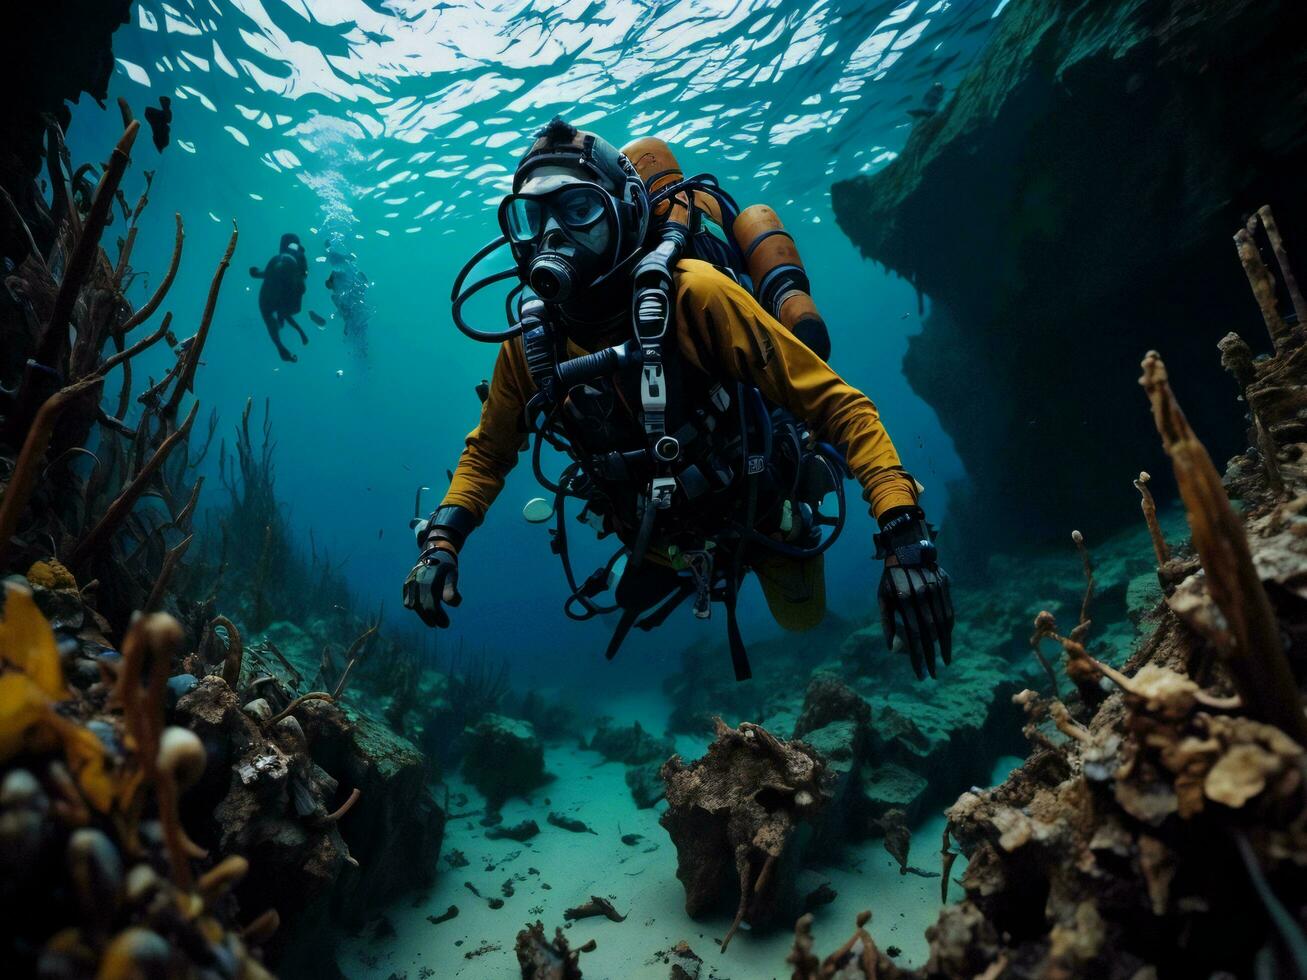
pixel 53 339
pixel 1149 507
pixel 1263 287
pixel 857 959
pixel 1267 220
pixel 1255 655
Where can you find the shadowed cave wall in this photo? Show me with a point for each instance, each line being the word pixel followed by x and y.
pixel 1070 207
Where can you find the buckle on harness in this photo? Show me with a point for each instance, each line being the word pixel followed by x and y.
pixel 653 392
pixel 661 490
pixel 700 565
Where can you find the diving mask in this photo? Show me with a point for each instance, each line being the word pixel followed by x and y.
pixel 567 226
pixel 577 206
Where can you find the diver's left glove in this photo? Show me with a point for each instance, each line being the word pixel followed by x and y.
pixel 915 601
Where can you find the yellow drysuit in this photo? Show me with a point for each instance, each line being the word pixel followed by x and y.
pixel 722 331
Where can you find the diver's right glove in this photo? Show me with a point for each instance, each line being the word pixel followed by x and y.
pixel 915 601
pixel 434 579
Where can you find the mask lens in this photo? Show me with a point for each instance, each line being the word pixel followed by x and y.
pixel 521 219
pixel 580 207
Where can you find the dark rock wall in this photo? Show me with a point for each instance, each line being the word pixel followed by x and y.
pixel 50 53
pixel 1071 207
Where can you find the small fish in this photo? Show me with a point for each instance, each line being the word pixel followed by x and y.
pixel 380 532
pixel 160 120
pixel 340 373
pixel 317 318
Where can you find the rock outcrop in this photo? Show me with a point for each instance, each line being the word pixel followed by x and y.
pixel 741 819
pixel 49 53
pixel 1069 207
pixel 1156 828
pixel 504 759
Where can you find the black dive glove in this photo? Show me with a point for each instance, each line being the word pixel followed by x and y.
pixel 433 582
pixel 915 602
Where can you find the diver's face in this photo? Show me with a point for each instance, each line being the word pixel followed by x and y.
pixel 569 223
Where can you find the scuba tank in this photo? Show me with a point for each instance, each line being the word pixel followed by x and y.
pixel 780 282
pixel 681 204
pixel 657 166
pixel 757 243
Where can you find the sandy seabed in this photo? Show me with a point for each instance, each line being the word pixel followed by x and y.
pixel 559 869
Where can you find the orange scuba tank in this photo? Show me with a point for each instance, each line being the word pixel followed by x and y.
pixel 769 254
pixel 779 280
pixel 657 166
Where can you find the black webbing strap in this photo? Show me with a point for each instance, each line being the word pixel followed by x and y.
pixel 629 616
pixel 762 237
pixel 739 656
pixel 659 615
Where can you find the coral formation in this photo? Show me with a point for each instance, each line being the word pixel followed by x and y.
pixel 99 875
pixel 1157 829
pixel 741 818
pixel 111 747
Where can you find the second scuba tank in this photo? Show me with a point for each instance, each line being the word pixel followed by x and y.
pixel 779 279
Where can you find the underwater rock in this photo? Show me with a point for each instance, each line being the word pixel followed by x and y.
pixel 839 745
pixel 828 699
pixel 271 790
pixel 519 832
pixel 891 787
pixel 741 818
pixel 504 758
pixel 629 744
pixel 543 959
pixel 396 828
pixel 1045 264
pixel 646 784
pixel 565 822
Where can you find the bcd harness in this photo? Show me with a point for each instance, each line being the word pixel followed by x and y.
pixel 686 448
pixel 718 476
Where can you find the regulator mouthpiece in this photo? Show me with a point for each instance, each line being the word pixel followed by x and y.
pixel 552 277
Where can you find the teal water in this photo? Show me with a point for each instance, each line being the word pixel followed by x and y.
pixel 383 133
pixel 396 125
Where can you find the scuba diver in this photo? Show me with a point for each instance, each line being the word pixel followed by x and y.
pixel 282 292
pixel 665 343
